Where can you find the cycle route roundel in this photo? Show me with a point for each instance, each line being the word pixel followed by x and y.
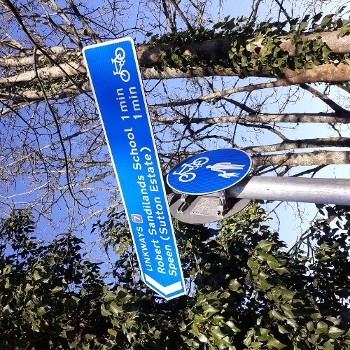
pixel 209 171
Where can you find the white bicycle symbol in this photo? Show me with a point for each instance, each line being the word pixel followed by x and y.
pixel 119 61
pixel 186 174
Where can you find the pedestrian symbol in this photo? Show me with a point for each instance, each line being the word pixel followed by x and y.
pixel 224 168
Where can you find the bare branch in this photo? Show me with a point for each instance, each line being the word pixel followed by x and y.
pixel 221 94
pixel 169 20
pixel 328 101
pixel 86 25
pixel 70 25
pixel 183 17
pixel 324 118
pixel 254 12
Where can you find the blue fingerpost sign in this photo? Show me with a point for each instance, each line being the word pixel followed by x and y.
pixel 117 86
pixel 209 171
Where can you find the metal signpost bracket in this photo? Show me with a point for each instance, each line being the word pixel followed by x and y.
pixel 206 208
pixel 186 201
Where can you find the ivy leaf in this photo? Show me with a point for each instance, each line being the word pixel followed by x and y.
pixel 41 311
pixel 274 343
pixel 326 21
pixel 72 344
pixel 335 332
pixel 310 326
pixel 210 310
pixel 56 289
pixel 233 326
pixel 287 310
pixel 322 328
pixel 272 262
pixel 266 245
pixel 28 287
pixel 328 346
pixel 112 332
pixel 36 275
pixel 303 26
pixel 7 269
pixel 261 280
pixel 276 315
pixel 104 312
pixel 344 31
pixel 282 329
pixel 235 285
pixel 109 297
pixel 217 319
pixel 89 337
pixel 254 266
pixel 255 345
pixel 202 338
pixel 264 334
pixel 35 327
pixel 115 308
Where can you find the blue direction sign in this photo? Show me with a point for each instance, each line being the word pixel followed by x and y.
pixel 117 86
pixel 210 171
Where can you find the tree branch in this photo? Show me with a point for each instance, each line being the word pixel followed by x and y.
pixel 324 118
pixel 300 144
pixel 316 158
pixel 336 107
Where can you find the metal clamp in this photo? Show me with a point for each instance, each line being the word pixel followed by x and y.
pixel 186 201
pixel 221 204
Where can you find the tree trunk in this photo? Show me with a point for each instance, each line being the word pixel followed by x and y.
pixel 24 85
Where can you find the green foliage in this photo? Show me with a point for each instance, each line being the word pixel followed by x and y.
pixel 49 294
pixel 245 291
pixel 254 46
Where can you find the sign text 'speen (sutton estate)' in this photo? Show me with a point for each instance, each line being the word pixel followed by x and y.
pixel 118 90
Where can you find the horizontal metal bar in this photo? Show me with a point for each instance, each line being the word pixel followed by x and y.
pixel 293 189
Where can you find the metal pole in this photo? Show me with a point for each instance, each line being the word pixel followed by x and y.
pixel 293 189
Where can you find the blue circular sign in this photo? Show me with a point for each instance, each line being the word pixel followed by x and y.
pixel 209 171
